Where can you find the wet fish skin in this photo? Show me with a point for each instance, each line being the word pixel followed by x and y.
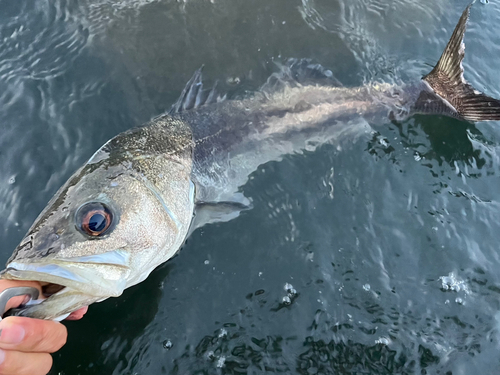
pixel 154 178
pixel 135 175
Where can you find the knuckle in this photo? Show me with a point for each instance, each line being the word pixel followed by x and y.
pixel 59 342
pixel 53 335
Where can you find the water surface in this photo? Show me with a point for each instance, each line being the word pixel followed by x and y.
pixel 373 255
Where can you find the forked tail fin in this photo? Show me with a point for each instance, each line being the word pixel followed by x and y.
pixel 447 80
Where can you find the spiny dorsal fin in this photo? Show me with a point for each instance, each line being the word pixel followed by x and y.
pixel 446 79
pixel 193 95
pixel 293 72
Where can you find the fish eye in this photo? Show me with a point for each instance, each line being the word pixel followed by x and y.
pixel 94 219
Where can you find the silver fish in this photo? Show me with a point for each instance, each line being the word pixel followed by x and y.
pixel 131 207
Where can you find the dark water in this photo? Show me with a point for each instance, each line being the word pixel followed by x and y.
pixel 376 255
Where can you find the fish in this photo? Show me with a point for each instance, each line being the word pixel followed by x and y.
pixel 131 207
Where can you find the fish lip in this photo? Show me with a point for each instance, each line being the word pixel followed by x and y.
pixel 19 271
pixel 118 258
pixel 13 273
pixel 71 276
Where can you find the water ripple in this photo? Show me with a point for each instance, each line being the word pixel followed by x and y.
pixel 377 31
pixel 40 41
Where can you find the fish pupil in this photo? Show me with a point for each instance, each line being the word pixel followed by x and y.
pixel 94 219
pixel 97 222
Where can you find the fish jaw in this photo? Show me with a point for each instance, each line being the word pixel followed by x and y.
pixel 59 305
pixel 85 280
pixel 102 280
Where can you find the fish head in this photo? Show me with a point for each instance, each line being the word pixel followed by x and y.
pixel 106 229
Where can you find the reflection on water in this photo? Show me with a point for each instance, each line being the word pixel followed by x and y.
pixel 374 255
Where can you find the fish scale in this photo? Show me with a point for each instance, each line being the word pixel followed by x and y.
pixel 153 185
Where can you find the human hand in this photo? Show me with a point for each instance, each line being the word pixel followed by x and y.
pixel 25 343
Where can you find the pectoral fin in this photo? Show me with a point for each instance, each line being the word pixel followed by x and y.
pixel 215 212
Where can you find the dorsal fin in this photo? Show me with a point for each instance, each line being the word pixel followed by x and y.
pixel 193 95
pixel 293 72
pixel 446 79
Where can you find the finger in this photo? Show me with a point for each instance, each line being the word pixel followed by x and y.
pixel 32 335
pixel 78 314
pixel 19 300
pixel 19 363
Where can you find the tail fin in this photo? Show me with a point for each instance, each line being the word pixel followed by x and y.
pixel 447 80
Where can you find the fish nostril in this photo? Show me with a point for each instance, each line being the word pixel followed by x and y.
pixel 45 252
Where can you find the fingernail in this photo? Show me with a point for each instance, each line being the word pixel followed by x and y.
pixel 2 356
pixel 12 334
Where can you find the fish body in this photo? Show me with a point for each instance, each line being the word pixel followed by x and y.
pixel 233 138
pixel 131 207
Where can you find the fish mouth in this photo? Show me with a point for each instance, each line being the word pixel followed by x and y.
pixel 49 289
pixel 102 275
